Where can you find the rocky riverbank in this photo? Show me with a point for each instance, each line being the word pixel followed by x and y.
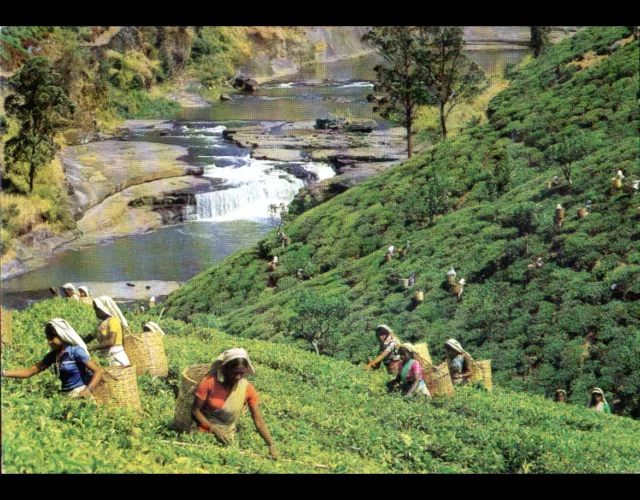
pixel 105 179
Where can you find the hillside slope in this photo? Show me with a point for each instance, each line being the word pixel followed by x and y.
pixel 326 416
pixel 562 326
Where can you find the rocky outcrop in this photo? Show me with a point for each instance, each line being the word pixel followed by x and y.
pixel 99 169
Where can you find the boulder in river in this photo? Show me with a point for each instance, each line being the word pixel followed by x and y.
pixel 365 126
pixel 250 85
pixel 225 97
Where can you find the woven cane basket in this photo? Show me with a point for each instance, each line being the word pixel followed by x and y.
pixel 419 296
pixel 404 283
pixel 617 182
pixel 582 213
pixel 438 380
pixel 422 352
pixel 481 372
pixel 7 323
pixel 191 377
pixel 451 279
pixel 118 388
pixel 146 352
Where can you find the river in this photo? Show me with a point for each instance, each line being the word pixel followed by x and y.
pixel 233 218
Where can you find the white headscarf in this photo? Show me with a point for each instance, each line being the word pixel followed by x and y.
pixel 84 289
pixel 109 307
pixel 455 345
pixel 67 334
pixel 596 390
pixel 69 286
pixel 153 326
pixel 227 356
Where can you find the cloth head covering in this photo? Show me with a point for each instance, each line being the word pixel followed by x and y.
pixel 69 286
pixel 83 289
pixel 227 356
pixel 384 327
pixel 455 345
pixel 409 347
pixel 451 271
pixel 596 390
pixel 461 282
pixel 108 306
pixel 67 334
pixel 153 327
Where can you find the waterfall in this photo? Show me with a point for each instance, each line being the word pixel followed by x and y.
pixel 252 188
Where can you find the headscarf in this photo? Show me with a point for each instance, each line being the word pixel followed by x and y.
pixel 67 334
pixel 69 286
pixel 108 306
pixel 455 345
pixel 153 327
pixel 84 289
pixel 409 347
pixel 227 356
pixel 596 390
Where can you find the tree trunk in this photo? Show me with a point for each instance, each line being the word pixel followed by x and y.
pixel 409 141
pixel 315 346
pixel 443 122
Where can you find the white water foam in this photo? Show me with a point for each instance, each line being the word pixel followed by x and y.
pixel 255 186
pixel 357 84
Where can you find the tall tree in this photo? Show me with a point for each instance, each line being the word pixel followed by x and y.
pixel 540 38
pixel 38 101
pixel 451 78
pixel 401 76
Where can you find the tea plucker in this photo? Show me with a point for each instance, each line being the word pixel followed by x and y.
pixel 110 332
pixel 70 291
pixel 78 374
pixel 410 375
pixel 459 361
pixel 388 354
pixel 223 394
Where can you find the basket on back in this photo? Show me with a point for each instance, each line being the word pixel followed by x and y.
pixel 438 379
pixel 422 351
pixel 118 387
pixel 146 352
pixel 481 372
pixel 191 377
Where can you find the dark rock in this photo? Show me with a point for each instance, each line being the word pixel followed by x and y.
pixel 195 171
pixel 130 284
pixel 148 287
pixel 227 132
pixel 363 126
pixel 225 97
pixel 238 82
pixel 300 172
pixel 250 85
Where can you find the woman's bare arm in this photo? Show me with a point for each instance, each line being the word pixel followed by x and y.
pixel 40 366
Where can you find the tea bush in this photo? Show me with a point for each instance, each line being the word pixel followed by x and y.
pixel 493 220
pixel 325 415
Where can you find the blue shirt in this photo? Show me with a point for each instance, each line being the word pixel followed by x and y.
pixel 72 369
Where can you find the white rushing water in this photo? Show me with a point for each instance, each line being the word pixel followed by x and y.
pixel 252 188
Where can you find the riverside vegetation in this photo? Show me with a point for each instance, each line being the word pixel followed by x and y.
pixel 326 416
pixel 479 203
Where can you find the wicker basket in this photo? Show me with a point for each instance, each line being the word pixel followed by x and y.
pixel 7 323
pixel 456 289
pixel 616 182
pixel 548 185
pixel 388 257
pixel 559 214
pixel 451 279
pixel 481 372
pixel 438 380
pixel 271 268
pixel 419 297
pixel 118 387
pixel 146 352
pixel 422 351
pixel 582 213
pixel 191 377
pixel 404 283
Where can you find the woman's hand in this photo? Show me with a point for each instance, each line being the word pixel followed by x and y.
pixel 87 393
pixel 273 452
pixel 219 436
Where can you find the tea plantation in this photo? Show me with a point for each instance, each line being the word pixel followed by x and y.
pixel 326 416
pixel 478 202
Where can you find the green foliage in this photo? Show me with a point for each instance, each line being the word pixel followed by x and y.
pixel 37 101
pixel 522 318
pixel 325 415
